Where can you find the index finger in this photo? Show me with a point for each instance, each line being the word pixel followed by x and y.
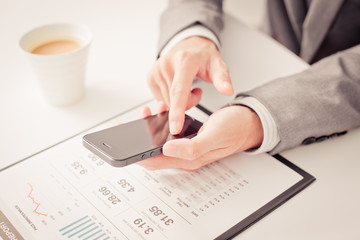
pixel 185 72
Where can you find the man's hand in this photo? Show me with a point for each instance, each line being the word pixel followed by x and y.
pixel 229 130
pixel 171 77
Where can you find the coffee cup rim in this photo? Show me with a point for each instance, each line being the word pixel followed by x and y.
pixel 26 38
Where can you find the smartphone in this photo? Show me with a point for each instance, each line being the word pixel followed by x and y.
pixel 137 140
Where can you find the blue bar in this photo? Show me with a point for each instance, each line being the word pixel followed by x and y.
pixel 92 235
pixel 99 236
pixel 88 231
pixel 76 227
pixel 81 230
pixel 72 223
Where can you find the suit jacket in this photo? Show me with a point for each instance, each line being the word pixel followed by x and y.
pixel 318 103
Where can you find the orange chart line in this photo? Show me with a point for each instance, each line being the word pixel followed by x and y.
pixel 33 200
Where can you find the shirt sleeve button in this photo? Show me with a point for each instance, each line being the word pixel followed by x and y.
pixel 309 140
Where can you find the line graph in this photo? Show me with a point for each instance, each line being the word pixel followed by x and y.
pixel 34 202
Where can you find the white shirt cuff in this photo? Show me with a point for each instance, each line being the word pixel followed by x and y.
pixel 196 30
pixel 271 135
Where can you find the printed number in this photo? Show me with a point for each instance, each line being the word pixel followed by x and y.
pixel 158 212
pixel 141 224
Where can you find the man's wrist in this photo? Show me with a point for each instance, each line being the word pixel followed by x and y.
pixel 270 134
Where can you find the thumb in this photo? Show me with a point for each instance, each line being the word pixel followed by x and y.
pixel 219 75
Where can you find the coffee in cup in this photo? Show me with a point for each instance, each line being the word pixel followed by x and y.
pixel 58 54
pixel 56 47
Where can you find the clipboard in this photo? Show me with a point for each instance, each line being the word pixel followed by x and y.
pixel 274 203
pixel 94 191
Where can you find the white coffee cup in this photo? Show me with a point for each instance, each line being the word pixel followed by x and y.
pixel 61 75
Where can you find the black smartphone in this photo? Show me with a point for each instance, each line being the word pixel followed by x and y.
pixel 137 140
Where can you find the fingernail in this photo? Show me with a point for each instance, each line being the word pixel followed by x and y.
pixel 226 85
pixel 174 126
pixel 171 151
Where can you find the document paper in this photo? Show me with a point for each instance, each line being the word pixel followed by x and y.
pixel 66 192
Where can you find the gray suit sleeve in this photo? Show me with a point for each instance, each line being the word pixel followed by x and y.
pixel 182 14
pixel 317 103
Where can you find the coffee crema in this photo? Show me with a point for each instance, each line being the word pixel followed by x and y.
pixel 56 47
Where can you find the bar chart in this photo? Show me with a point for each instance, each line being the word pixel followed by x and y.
pixel 84 228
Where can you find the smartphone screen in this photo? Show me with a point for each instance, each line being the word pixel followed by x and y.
pixel 137 140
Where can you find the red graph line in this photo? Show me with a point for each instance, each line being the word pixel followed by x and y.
pixel 33 200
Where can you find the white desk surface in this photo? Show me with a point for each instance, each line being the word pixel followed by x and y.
pixel 125 34
pixel 123 50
